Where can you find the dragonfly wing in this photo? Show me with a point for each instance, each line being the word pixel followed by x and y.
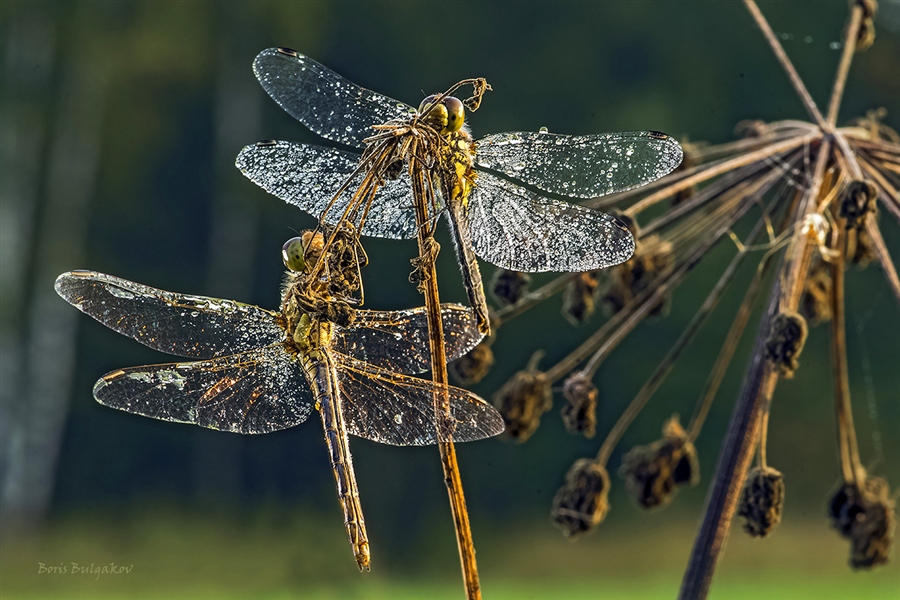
pixel 396 409
pixel 328 104
pixel 259 391
pixel 180 324
pixel 398 340
pixel 580 166
pixel 309 176
pixel 517 229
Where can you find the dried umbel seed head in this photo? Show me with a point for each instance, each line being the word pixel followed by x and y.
pixel 857 201
pixel 522 400
pixel 816 299
pixel 653 257
pixel 578 297
pixel 785 342
pixel 761 501
pixel 472 367
pixel 865 516
pixel 509 286
pixel 653 473
pixel 865 37
pixel 579 413
pixel 582 503
pixel 859 250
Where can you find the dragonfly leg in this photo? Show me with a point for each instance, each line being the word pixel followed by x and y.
pixel 468 264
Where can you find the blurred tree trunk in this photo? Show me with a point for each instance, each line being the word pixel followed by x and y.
pixel 41 362
pixel 234 227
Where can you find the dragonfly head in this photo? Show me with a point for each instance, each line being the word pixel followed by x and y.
pixel 448 116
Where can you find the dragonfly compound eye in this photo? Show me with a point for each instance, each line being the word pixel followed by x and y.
pixel 456 114
pixel 436 115
pixel 292 254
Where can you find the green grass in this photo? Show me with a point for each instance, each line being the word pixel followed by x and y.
pixel 274 557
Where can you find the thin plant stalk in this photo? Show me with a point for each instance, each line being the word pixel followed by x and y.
pixel 428 249
pixel 811 109
pixel 743 431
pixel 850 462
pixel 663 369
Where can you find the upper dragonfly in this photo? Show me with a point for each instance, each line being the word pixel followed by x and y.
pixel 506 223
pixel 261 371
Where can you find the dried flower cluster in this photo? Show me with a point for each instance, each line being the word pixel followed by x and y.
pixel 807 197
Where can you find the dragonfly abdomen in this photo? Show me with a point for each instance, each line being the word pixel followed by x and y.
pixel 323 380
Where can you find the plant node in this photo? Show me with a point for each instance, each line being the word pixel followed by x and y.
pixel 857 201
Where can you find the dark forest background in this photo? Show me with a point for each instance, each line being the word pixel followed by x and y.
pixel 120 125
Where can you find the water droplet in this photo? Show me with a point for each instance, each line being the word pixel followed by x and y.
pixel 834 46
pixel 398 418
pixel 808 39
pixel 543 130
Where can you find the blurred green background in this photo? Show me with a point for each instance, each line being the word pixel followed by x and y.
pixel 120 124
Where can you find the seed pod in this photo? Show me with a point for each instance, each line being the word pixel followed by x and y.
pixel 654 472
pixel 785 342
pixel 578 297
pixel 860 250
pixel 582 503
pixel 865 37
pixel 653 257
pixel 857 201
pixel 579 413
pixel 761 501
pixel 509 286
pixel 472 367
pixel 865 516
pixel 816 299
pixel 522 400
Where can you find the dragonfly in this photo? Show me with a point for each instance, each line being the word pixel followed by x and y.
pixel 258 371
pixel 504 195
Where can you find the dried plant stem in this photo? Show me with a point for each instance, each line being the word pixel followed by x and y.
pixel 427 254
pixel 884 256
pixel 731 468
pixel 840 80
pixel 743 431
pixel 808 103
pixel 850 462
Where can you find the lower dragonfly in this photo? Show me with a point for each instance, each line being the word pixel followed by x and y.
pixel 262 371
pixel 496 192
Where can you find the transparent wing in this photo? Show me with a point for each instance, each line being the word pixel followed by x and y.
pixel 396 409
pixel 309 176
pixel 191 326
pixel 398 340
pixel 328 104
pixel 580 166
pixel 520 230
pixel 259 391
